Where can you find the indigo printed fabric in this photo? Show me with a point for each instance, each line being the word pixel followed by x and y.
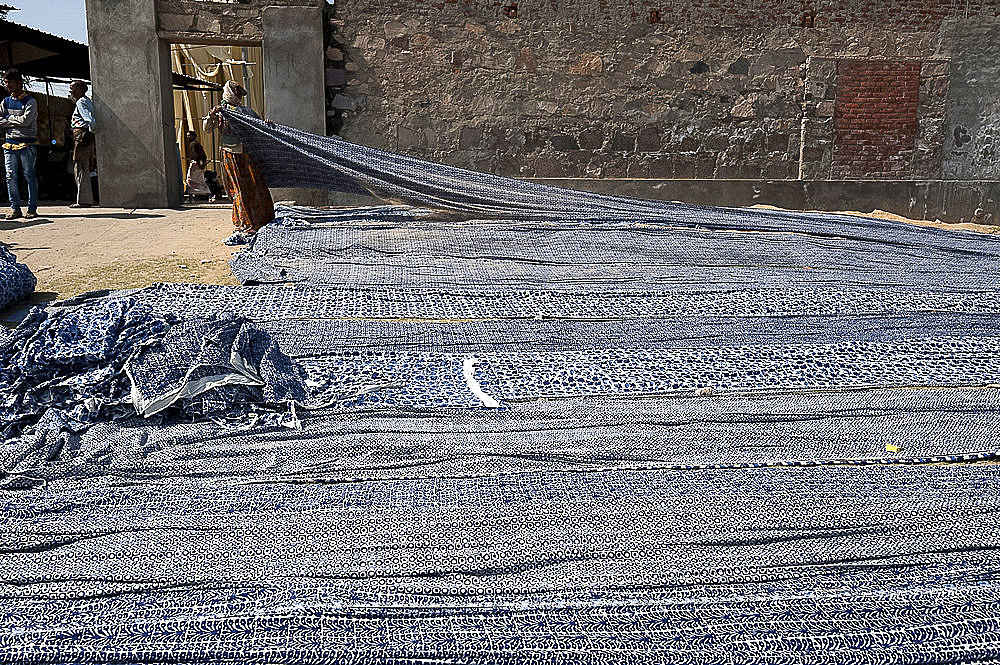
pixel 17 282
pixel 64 369
pixel 500 423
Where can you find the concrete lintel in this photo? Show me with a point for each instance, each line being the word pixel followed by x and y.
pixel 946 200
pixel 206 38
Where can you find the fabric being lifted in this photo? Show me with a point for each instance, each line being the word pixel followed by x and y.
pixel 290 157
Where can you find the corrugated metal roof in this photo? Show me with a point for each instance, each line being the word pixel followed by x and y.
pixel 38 53
pixel 43 55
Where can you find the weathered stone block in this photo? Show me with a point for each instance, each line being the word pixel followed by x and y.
pixel 394 29
pixel 813 153
pixel 335 76
pixel 587 64
pixel 784 57
pixel 475 29
pixel 725 171
pixel 548 167
pixel 739 67
pixel 343 102
pixel 208 23
pixel 508 27
pixel 744 107
pixel 781 170
pixel 777 142
pixel 684 166
pixel 648 140
pixel 409 138
pixel 534 142
pixel 934 69
pixel 637 168
pixel 704 166
pixel 526 60
pixel 470 137
pixel 564 142
pixel 689 144
pixel 613 168
pixel 716 142
pixel 623 142
pixel 592 139
pixel 175 22
pixel 661 167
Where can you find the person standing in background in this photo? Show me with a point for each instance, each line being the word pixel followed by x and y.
pixel 198 160
pixel 83 124
pixel 19 118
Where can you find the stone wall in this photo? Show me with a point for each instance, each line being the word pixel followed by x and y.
pixel 724 89
pixel 198 21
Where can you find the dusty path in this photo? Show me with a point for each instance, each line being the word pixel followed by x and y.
pixel 74 251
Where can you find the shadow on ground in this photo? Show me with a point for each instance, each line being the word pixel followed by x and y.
pixel 21 223
pixel 109 215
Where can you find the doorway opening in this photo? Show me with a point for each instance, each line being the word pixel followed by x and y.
pixel 212 64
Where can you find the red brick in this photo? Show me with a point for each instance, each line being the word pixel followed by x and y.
pixel 875 120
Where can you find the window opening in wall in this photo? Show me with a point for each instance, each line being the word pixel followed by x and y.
pixel 215 64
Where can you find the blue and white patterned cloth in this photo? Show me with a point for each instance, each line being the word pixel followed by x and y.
pixel 665 435
pixel 17 282
pixel 66 368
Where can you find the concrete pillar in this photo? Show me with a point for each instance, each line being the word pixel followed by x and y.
pixel 130 68
pixel 294 85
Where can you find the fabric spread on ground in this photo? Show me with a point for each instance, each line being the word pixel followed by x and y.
pixel 512 436
pixel 17 282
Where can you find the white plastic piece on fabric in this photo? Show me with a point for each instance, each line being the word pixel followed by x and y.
pixel 294 422
pixel 469 372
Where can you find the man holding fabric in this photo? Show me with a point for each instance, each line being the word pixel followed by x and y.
pixel 82 123
pixel 19 119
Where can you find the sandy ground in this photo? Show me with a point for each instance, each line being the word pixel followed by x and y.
pixel 74 251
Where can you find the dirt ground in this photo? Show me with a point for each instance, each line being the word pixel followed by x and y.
pixel 74 251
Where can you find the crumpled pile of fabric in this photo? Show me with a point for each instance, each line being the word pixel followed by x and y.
pixel 16 279
pixel 67 368
pixel 216 368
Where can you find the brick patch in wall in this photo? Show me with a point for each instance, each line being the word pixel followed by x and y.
pixel 875 119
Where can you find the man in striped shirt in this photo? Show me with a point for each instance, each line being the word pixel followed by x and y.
pixel 19 121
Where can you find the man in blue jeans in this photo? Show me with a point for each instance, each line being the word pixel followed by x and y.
pixel 19 119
